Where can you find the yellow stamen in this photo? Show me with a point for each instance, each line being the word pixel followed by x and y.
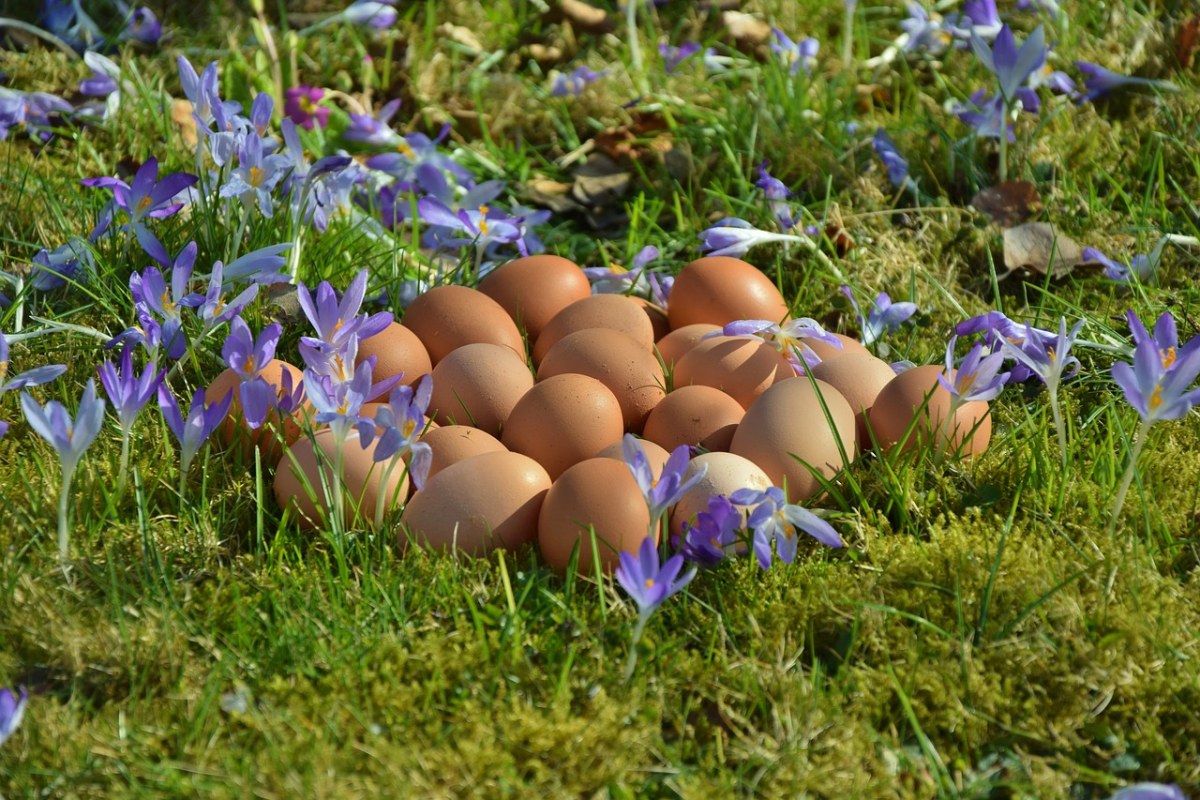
pixel 248 365
pixel 1156 399
pixel 143 204
pixel 408 428
pixel 256 176
pixel 483 223
pixel 3 369
pixel 168 306
pixel 1168 357
pixel 649 583
pixel 307 105
pixel 405 149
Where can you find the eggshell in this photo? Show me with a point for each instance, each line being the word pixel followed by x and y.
pixel 787 433
pixel 486 502
pixel 361 478
pixel 679 341
pixel 397 351
pixel 828 351
pixel 563 420
pixel 600 492
pixel 448 317
pixel 630 371
pixel 726 474
pixel 533 289
pixel 860 377
pixel 904 398
pixel 612 311
pixel 236 433
pixel 656 457
pixel 454 443
pixel 719 290
pixel 694 415
pixel 741 366
pixel 659 322
pixel 478 385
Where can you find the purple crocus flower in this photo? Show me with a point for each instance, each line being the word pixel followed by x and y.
pixel 674 56
pixel 574 82
pixel 1098 82
pixel 1011 66
pixel 735 237
pixel 646 582
pixel 481 227
pixel 256 175
pixel 12 709
pixel 1049 6
pixel 374 130
pixel 302 106
pixel 884 316
pixel 922 31
pixel 787 338
pixel 246 356
pixel 414 151
pixel 1051 361
pixel 795 55
pixel 1141 266
pixel 777 194
pixel 978 377
pixel 154 300
pixel 635 281
pixel 201 421
pixel 127 391
pixel 987 114
pixel 263 266
pixel 146 198
pixel 32 377
pixel 663 492
pixel 143 27
pixel 70 439
pixel 773 518
pixel 72 261
pixel 397 424
pixel 377 14
pixel 338 402
pixel 103 80
pixel 1157 383
pixel 214 309
pixel 897 166
pixel 336 323
pixel 1150 791
pixel 714 535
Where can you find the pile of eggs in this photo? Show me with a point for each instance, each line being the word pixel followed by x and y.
pixel 536 380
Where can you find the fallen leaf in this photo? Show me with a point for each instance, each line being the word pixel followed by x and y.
pixel 748 32
pixel 1041 248
pixel 1009 203
pixel 463 36
pixel 181 115
pixel 646 134
pixel 1186 40
pixel 585 17
pixel 554 195
pixel 599 187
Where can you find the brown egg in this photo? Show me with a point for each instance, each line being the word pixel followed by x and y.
pixel 694 415
pixel 828 351
pixel 478 385
pixel 563 420
pixel 600 493
pixel 397 351
pixel 236 433
pixel 860 377
pixel 655 455
pixel 454 443
pixel 612 311
pixel 447 317
pixel 535 288
pixel 487 502
pixel 741 366
pixel 725 474
pixel 299 484
pixel 658 318
pixel 630 371
pixel 786 432
pixel 917 394
pixel 672 346
pixel 719 290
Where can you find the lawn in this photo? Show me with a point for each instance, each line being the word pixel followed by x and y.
pixel 1019 623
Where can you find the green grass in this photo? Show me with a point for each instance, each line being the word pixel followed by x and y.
pixel 981 637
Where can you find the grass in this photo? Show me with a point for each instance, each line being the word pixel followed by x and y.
pixel 981 636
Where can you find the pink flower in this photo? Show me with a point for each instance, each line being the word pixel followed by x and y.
pixel 301 106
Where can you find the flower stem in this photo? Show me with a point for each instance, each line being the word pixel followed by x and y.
pixel 1004 144
pixel 124 468
pixel 1139 441
pixel 1059 426
pixel 635 47
pixel 383 490
pixel 631 661
pixel 64 518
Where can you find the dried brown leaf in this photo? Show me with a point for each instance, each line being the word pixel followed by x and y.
pixel 1041 248
pixel 181 115
pixel 463 36
pixel 748 32
pixel 1008 203
pixel 1186 41
pixel 586 17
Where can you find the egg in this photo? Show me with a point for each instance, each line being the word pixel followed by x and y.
pixel 916 394
pixel 478 385
pixel 694 415
pixel 672 346
pixel 397 351
pixel 598 494
pixel 741 366
pixel 860 377
pixel 300 480
pixel 659 322
pixel 725 473
pixel 486 502
pixel 787 434
pixel 235 432
pixel 656 457
pixel 535 288
pixel 454 443
pixel 827 351
pixel 563 420
pixel 448 317
pixel 630 371
pixel 612 311
pixel 719 290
